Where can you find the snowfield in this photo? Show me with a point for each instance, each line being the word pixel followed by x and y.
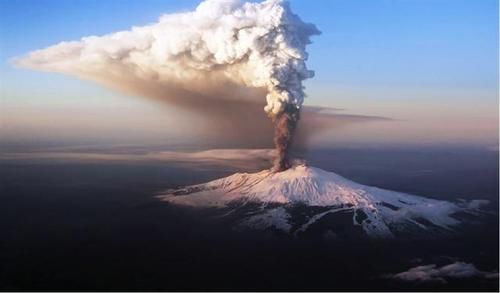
pixel 378 211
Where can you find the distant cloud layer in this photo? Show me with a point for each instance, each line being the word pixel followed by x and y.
pixel 433 273
pixel 222 157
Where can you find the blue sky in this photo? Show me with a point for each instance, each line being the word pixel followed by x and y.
pixel 382 57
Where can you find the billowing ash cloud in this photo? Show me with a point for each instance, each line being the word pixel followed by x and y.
pixel 224 52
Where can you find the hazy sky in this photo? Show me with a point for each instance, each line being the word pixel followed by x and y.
pixel 432 66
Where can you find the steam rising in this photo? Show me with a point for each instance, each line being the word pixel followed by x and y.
pixel 222 53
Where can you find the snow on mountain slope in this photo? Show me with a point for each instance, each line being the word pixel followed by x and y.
pixel 376 210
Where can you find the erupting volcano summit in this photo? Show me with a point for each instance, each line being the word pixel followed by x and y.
pixel 274 198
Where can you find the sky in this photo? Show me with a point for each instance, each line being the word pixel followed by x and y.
pixel 430 66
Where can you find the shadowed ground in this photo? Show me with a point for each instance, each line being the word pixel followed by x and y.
pixel 86 225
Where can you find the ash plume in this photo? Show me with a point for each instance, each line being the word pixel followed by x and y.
pixel 224 51
pixel 285 125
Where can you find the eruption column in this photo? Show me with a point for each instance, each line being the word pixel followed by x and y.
pixel 285 124
pixel 194 58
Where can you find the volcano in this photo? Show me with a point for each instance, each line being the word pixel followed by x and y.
pixel 302 197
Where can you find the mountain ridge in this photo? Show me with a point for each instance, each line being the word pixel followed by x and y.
pixel 378 211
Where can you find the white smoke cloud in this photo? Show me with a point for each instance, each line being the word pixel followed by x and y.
pixel 196 55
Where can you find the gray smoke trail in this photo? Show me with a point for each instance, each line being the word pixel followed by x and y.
pixel 285 124
pixel 207 56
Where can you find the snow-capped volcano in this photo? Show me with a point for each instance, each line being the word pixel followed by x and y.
pixel 379 212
